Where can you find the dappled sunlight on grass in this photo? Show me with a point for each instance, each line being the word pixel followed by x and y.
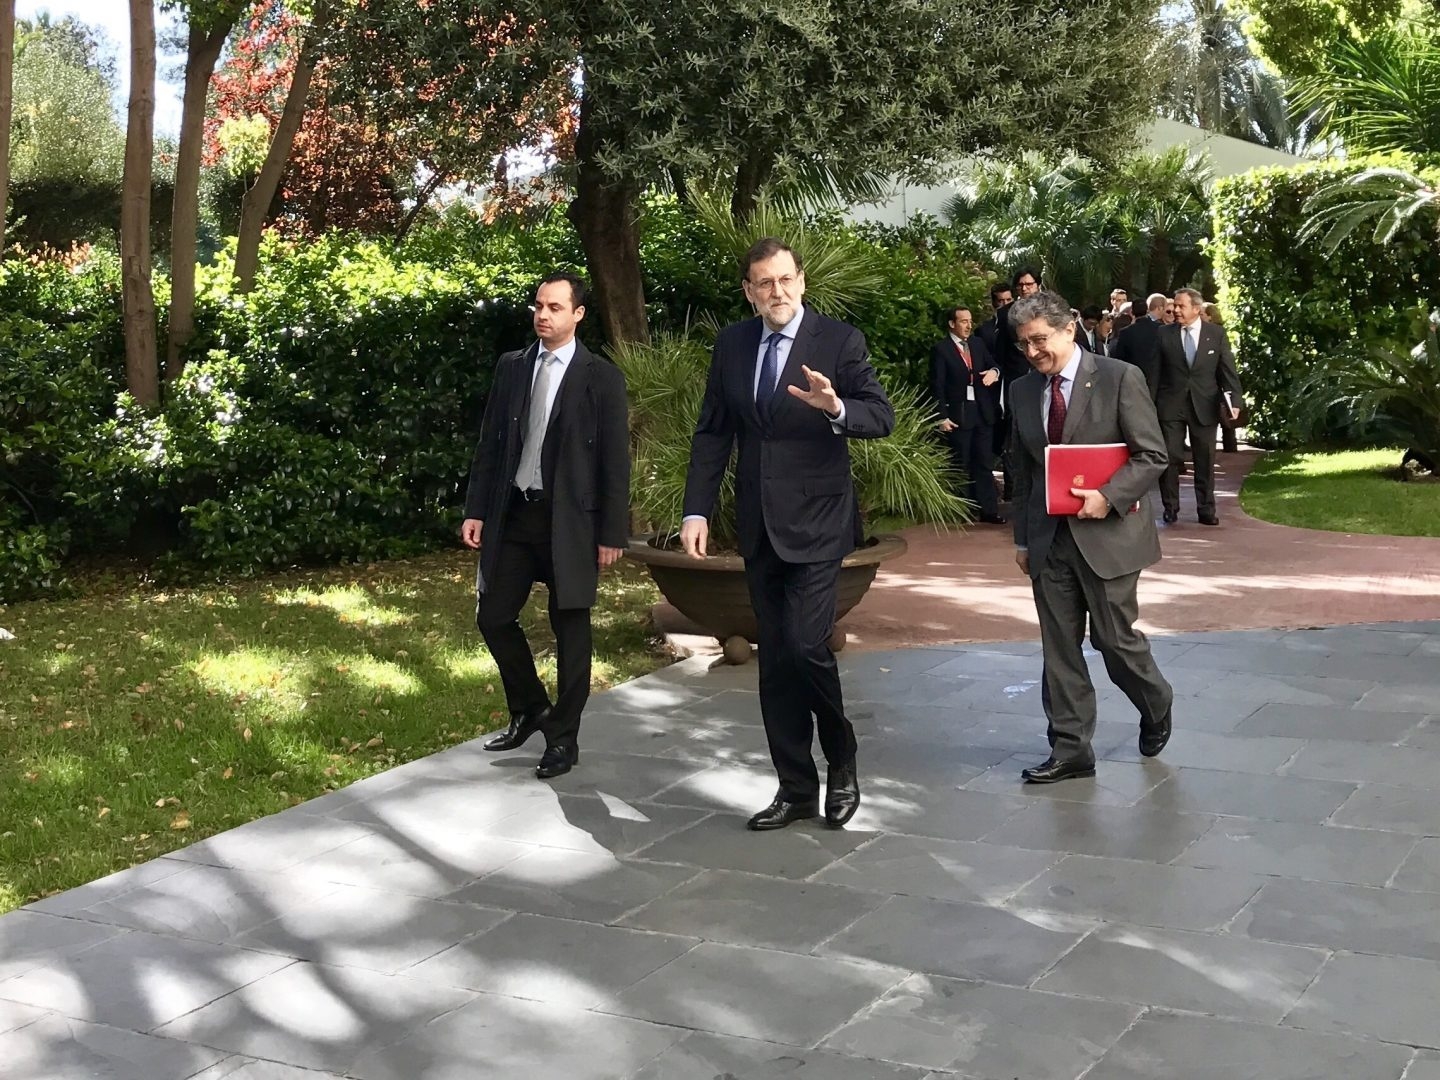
pixel 352 604
pixel 134 723
pixel 1352 491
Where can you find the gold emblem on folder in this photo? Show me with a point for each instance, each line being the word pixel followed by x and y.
pixel 1078 480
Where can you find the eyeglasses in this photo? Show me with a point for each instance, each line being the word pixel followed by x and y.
pixel 768 284
pixel 1040 341
pixel 1031 284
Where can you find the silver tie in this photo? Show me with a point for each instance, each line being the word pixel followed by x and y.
pixel 527 476
pixel 1190 345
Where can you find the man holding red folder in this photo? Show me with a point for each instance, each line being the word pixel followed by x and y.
pixel 1085 565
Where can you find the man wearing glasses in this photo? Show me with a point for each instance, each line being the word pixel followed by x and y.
pixel 791 387
pixel 1012 367
pixel 1085 568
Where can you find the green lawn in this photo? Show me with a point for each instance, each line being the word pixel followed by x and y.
pixel 135 722
pixel 1352 491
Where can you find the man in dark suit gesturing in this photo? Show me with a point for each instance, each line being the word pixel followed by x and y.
pixel 550 496
pixel 792 387
pixel 1087 565
pixel 1196 370
pixel 965 386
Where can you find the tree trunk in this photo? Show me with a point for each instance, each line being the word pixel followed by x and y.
pixel 7 105
pixel 422 200
pixel 604 214
pixel 1159 271
pixel 256 203
pixel 750 178
pixel 200 60
pixel 141 360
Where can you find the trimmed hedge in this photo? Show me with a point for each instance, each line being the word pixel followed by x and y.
pixel 1291 303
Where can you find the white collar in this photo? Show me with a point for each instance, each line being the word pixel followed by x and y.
pixel 565 353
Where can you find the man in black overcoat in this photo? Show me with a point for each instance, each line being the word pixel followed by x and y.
pixel 549 500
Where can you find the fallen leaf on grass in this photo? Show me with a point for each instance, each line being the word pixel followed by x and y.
pixel 169 800
pixel 180 821
pixel 228 773
pixel 104 811
pixel 245 734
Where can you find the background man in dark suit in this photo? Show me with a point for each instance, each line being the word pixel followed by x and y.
pixel 1139 343
pixel 1012 366
pixel 1001 297
pixel 550 492
pixel 1196 369
pixel 1087 565
pixel 792 387
pixel 1085 330
pixel 965 385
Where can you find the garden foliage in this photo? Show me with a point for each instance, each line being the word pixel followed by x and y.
pixel 1293 304
pixel 330 414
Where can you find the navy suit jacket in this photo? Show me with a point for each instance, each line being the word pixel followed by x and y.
pixel 792 475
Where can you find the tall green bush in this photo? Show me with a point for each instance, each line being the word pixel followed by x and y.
pixel 331 413
pixel 1292 303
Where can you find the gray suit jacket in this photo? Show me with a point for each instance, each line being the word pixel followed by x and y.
pixel 1110 403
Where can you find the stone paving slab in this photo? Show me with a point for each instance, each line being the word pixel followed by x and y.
pixel 1262 901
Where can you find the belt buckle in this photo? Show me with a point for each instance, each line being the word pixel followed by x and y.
pixel 532 495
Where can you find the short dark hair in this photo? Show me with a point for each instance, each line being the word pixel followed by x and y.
pixel 998 288
pixel 764 248
pixel 954 310
pixel 1090 311
pixel 1027 270
pixel 579 291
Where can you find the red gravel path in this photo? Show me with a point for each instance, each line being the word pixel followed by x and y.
pixel 1245 574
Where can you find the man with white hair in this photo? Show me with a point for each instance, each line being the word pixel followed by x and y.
pixel 1139 343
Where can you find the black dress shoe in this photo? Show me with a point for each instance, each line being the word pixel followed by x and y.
pixel 557 760
pixel 782 812
pixel 1052 772
pixel 994 519
pixel 522 726
pixel 1171 516
pixel 1153 739
pixel 842 795
pixel 1209 519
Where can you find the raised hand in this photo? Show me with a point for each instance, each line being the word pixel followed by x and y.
pixel 819 394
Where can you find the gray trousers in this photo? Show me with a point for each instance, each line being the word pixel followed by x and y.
pixel 1066 592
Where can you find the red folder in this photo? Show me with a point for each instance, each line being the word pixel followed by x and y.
pixel 1079 465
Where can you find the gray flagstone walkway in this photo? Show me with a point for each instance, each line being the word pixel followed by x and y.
pixel 1263 901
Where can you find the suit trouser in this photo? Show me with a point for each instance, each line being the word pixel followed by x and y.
pixel 525 558
pixel 1202 446
pixel 972 451
pixel 1066 591
pixel 799 678
pixel 1001 444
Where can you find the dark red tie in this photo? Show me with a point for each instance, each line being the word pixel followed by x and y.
pixel 1055 423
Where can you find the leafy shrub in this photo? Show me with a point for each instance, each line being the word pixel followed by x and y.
pixel 331 413
pixel 1294 304
pixel 923 272
pixel 61 365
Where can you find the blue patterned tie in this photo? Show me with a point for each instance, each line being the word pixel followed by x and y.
pixel 769 374
pixel 1191 345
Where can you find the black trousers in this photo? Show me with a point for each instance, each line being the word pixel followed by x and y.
pixel 972 450
pixel 1000 434
pixel 1202 446
pixel 1067 591
pixel 799 679
pixel 525 558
